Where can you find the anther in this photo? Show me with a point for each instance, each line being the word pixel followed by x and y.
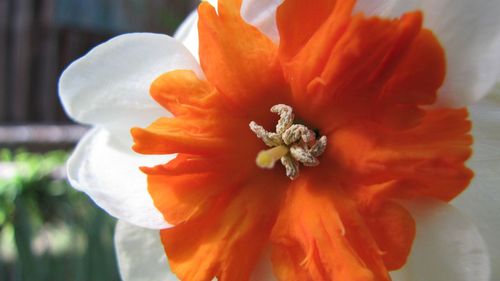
pixel 270 139
pixel 291 166
pixel 286 117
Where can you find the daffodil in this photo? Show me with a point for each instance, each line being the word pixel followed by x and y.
pixel 314 140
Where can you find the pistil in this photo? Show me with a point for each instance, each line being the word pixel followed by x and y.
pixel 267 158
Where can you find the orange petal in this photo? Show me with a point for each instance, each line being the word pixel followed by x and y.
pixel 187 186
pixel 424 161
pixel 179 135
pixel 183 93
pixel 201 125
pixel 190 164
pixel 364 69
pixel 363 56
pixel 295 33
pixel 418 74
pixel 312 56
pixel 238 59
pixel 394 231
pixel 320 235
pixel 228 240
pixel 205 123
pixel 414 82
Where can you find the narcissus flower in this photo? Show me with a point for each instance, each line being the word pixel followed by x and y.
pixel 314 141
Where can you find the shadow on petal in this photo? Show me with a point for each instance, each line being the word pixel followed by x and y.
pixel 448 246
pixel 140 254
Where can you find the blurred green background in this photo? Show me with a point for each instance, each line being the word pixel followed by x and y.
pixel 48 230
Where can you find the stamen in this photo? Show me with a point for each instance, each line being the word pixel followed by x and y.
pixel 292 143
pixel 270 139
pixel 303 155
pixel 291 166
pixel 297 131
pixel 319 147
pixel 286 117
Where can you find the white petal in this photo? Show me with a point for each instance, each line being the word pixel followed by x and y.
pixel 110 85
pixel 481 200
pixel 384 8
pixel 448 246
pixel 187 33
pixel 140 254
pixel 109 173
pixel 470 33
pixel 262 14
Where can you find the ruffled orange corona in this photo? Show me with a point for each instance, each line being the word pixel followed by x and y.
pixel 361 82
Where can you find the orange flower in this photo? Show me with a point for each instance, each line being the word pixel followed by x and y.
pixel 364 83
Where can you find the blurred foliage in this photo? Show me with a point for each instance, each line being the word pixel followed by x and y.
pixel 48 230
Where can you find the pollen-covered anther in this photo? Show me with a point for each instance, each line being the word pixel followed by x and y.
pixel 291 143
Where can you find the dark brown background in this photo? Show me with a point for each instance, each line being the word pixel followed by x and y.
pixel 39 38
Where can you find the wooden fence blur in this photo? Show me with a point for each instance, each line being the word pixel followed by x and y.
pixel 39 38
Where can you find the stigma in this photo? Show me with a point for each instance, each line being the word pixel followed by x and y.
pixel 292 144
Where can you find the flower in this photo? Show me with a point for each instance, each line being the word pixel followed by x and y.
pixel 336 219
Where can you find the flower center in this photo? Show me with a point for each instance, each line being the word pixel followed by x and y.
pixel 291 143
